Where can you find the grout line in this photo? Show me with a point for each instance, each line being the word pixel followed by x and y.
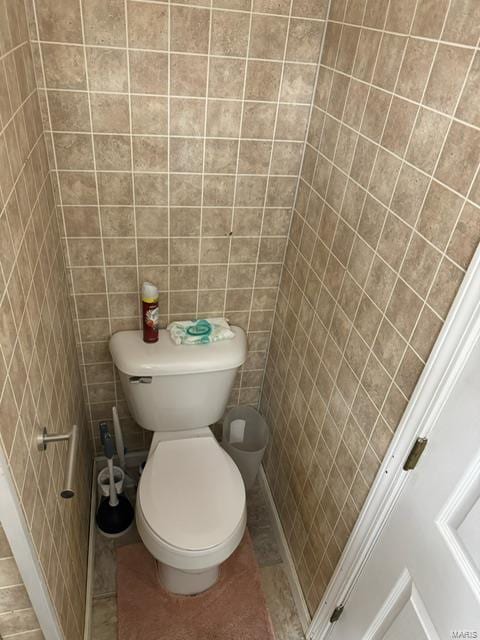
pixel 272 150
pixel 169 133
pixel 292 214
pixel 134 210
pixel 375 255
pixel 92 138
pixel 182 137
pixel 235 186
pixel 55 172
pixel 184 173
pixel 327 403
pixel 178 96
pixel 204 155
pixel 303 63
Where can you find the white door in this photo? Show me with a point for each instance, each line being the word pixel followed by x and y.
pixel 422 579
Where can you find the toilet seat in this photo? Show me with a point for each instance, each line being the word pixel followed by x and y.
pixel 191 503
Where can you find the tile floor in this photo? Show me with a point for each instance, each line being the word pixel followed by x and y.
pixel 275 584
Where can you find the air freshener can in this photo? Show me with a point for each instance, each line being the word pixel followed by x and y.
pixel 151 318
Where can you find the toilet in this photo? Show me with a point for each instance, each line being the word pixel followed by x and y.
pixel 190 510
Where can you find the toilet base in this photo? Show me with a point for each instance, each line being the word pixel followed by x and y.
pixel 186 583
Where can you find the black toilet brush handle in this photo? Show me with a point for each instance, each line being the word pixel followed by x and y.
pixel 108 446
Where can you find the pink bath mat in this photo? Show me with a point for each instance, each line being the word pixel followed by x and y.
pixel 233 609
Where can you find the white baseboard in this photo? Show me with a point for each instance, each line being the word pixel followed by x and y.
pixel 290 570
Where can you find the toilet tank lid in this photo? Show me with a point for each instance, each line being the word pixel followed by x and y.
pixel 135 357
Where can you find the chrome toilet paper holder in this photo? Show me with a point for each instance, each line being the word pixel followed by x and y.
pixel 45 439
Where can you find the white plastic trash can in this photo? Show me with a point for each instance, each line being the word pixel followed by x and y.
pixel 245 437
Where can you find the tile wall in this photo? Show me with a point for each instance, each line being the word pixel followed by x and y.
pixel 176 134
pixel 385 223
pixel 40 382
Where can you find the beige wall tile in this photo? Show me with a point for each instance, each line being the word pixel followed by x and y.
pixel 415 68
pixel 117 221
pixel 74 151
pixel 223 118
pixel 258 120
pixel 104 22
pixel 68 111
pixel 64 67
pixel 81 221
pixel 457 163
pixel 268 37
pixel 297 83
pixel 447 76
pixel 221 156
pixel 188 75
pixel 150 154
pixel 60 24
pixel 304 40
pixel 115 188
pixel 149 114
pixel 107 69
pixel 462 23
pixel 187 117
pixel 112 152
pixel 189 29
pixel 229 33
pixel 148 72
pixel 147 25
pixel 110 113
pixel 263 80
pixel 429 18
pixel 466 108
pixel 226 77
pixel 462 244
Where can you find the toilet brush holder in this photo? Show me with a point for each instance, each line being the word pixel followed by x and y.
pixel 103 481
pixel 115 514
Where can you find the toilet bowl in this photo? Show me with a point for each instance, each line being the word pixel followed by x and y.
pixel 190 511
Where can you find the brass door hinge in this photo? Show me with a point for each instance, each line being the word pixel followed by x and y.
pixel 415 454
pixel 337 612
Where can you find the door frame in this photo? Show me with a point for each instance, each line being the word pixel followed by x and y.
pixel 454 344
pixel 19 538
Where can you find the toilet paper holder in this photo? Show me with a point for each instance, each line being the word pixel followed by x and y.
pixel 45 439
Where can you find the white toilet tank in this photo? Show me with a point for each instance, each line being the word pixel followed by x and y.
pixel 171 387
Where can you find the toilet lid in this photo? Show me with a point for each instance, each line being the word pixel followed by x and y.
pixel 191 493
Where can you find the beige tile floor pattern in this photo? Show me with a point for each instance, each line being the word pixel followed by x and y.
pixel 275 584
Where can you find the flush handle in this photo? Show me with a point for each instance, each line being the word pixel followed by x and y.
pixel 140 379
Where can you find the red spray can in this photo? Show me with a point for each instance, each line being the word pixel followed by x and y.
pixel 151 318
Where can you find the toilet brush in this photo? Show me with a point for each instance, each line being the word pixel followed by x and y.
pixel 115 514
pixel 117 430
